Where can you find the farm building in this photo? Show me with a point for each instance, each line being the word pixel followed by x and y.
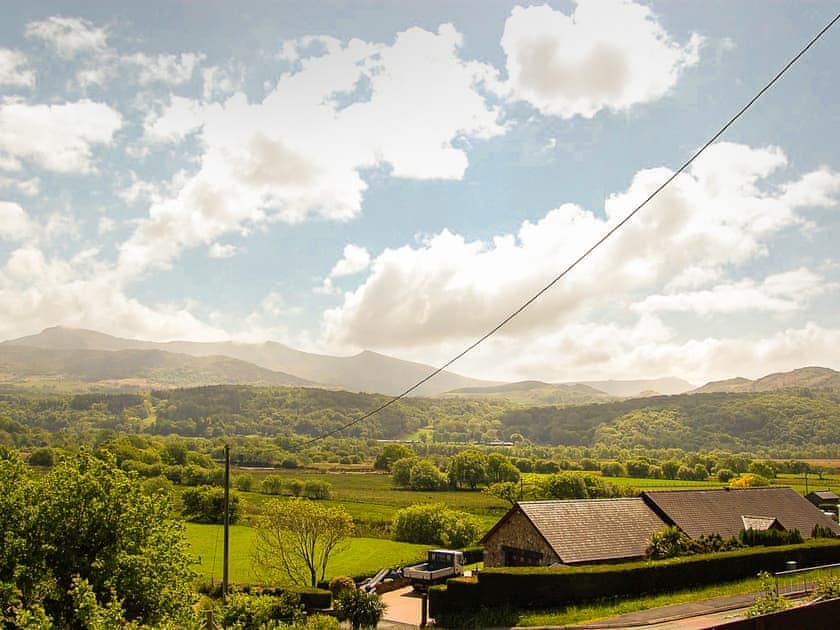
pixel 587 531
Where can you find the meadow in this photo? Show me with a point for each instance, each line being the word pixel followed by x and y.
pixel 362 556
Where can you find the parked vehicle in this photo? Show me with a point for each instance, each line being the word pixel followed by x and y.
pixel 441 565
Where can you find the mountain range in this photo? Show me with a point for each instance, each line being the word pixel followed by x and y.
pixel 87 359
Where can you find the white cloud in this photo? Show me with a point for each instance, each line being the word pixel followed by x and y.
pixel 105 225
pixel 13 69
pixel 29 187
pixel 646 349
pixel 69 36
pixel 15 224
pixel 58 138
pixel 607 54
pixel 165 68
pixel 218 250
pixel 449 289
pixel 37 291
pixel 217 82
pixel 298 153
pixel 778 293
pixel 180 118
pixel 355 260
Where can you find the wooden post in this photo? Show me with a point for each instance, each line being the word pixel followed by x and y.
pixel 226 548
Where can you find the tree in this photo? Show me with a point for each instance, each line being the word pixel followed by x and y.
pixel 499 468
pixel 467 468
pixel 401 471
pixel 206 504
pixel 87 530
pixel 426 476
pixel 505 490
pixel 391 453
pixel 565 486
pixel 295 538
pixel 434 524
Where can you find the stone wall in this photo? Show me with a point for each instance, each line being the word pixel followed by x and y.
pixel 517 532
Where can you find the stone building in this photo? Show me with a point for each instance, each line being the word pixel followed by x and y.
pixel 588 531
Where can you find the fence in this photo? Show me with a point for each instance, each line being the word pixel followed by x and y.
pixel 793 582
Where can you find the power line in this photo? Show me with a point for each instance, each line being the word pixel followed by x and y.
pixel 583 256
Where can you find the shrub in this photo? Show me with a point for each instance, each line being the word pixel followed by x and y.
pixel 42 457
pixel 725 475
pixel 401 471
pixel 362 610
pixel 295 487
pixel 253 611
pixel 770 537
pixel 244 482
pixel 434 524
pixel 317 489
pixel 272 484
pixel 341 583
pixel 822 532
pixel 316 622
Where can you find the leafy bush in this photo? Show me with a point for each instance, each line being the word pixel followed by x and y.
pixel 362 610
pixel 341 583
pixel 251 612
pixel 770 537
pixel 272 484
pixel 820 531
pixel 42 457
pixel 434 524
pixel 315 489
pixel 425 475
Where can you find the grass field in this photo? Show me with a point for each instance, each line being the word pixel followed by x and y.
pixel 363 556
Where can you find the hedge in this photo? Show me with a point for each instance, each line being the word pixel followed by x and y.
pixel 311 598
pixel 546 587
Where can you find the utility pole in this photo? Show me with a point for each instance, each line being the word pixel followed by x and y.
pixel 226 548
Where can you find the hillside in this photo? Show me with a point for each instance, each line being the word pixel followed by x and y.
pixel 366 371
pixel 535 393
pixel 125 369
pixel 772 422
pixel 807 377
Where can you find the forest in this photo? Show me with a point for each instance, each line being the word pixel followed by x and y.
pixel 787 423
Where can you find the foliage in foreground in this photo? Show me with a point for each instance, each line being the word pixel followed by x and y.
pixel 82 543
pixel 362 610
pixel 770 600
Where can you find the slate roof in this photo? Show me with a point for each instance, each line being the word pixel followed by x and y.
pixel 699 512
pixel 760 522
pixel 590 530
pixel 824 495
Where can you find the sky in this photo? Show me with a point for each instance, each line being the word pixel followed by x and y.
pixel 400 176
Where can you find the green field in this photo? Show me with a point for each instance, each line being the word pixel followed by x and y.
pixel 364 556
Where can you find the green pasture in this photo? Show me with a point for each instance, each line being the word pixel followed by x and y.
pixel 363 556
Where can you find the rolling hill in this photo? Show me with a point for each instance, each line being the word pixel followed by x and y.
pixel 365 372
pixel 128 369
pixel 807 377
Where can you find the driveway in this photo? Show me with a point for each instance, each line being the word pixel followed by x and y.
pixel 404 609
